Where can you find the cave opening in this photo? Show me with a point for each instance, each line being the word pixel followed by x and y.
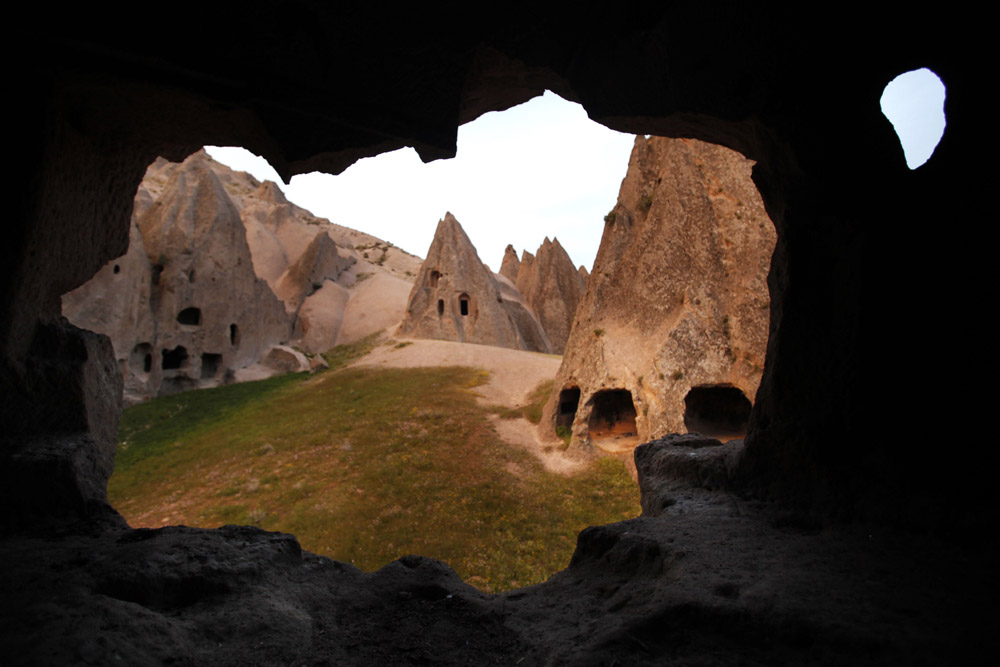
pixel 142 357
pixel 174 359
pixel 234 335
pixel 914 104
pixel 569 401
pixel 613 417
pixel 433 277
pixel 463 305
pixel 440 307
pixel 210 363
pixel 718 411
pixel 189 316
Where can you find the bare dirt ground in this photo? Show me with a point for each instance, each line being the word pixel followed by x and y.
pixel 513 375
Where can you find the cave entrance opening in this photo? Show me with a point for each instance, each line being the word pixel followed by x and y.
pixel 189 316
pixel 569 401
pixel 433 278
pixel 463 305
pixel 175 358
pixel 612 420
pixel 440 307
pixel 718 411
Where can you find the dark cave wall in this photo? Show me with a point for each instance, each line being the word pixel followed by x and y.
pixel 314 88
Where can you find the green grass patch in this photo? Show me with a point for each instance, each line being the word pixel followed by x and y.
pixel 366 466
pixel 341 355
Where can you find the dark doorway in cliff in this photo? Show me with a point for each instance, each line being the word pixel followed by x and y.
pixel 569 401
pixel 234 335
pixel 210 365
pixel 175 358
pixel 463 305
pixel 141 358
pixel 432 280
pixel 612 420
pixel 440 307
pixel 190 316
pixel 717 411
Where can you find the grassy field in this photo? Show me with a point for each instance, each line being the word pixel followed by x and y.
pixel 363 466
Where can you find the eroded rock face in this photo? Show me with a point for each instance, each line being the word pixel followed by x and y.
pixel 671 333
pixel 183 307
pixel 456 297
pixel 188 219
pixel 552 288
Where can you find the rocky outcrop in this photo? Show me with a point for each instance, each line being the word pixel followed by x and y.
pixel 674 343
pixel 456 297
pixel 552 288
pixel 510 264
pixel 210 249
pixel 211 314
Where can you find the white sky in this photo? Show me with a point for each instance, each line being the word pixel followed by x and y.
pixel 914 104
pixel 539 169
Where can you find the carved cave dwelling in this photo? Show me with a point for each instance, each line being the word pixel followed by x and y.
pixel 828 536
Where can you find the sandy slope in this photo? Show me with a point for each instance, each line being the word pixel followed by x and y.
pixel 513 374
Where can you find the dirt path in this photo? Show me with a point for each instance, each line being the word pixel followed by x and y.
pixel 513 374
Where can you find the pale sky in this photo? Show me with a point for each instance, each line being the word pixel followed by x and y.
pixel 540 169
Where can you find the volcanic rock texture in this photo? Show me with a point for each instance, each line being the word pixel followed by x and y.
pixel 671 333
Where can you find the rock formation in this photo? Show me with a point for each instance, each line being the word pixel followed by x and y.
pixel 456 297
pixel 193 310
pixel 193 300
pixel 552 288
pixel 671 333
pixel 510 264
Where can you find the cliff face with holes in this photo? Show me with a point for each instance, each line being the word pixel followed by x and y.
pixel 456 297
pixel 671 332
pixel 197 311
pixel 221 268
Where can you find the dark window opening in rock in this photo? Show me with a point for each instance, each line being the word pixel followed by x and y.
pixel 117 269
pixel 914 104
pixel 432 279
pixel 463 304
pixel 569 401
pixel 234 335
pixel 717 411
pixel 612 419
pixel 210 365
pixel 440 307
pixel 142 357
pixel 190 316
pixel 175 358
pixel 157 270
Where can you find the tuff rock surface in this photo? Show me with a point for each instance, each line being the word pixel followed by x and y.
pixel 671 333
pixel 456 297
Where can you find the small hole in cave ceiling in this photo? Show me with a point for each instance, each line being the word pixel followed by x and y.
pixel 914 104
